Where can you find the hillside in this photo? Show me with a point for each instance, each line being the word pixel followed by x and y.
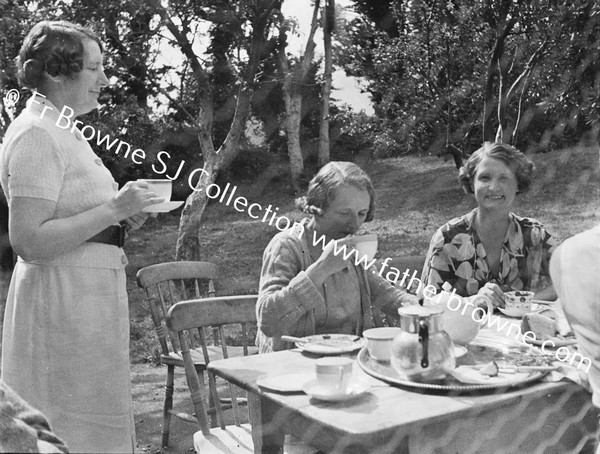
pixel 415 195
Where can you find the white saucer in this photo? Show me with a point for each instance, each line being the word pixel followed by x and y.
pixel 163 207
pixel 459 351
pixel 355 388
pixel 285 383
pixel 517 313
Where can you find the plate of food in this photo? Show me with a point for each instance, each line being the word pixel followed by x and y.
pixel 328 344
pixel 547 330
pixel 488 364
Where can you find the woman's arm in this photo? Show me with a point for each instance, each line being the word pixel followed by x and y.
pixel 286 292
pixel 438 267
pixel 387 297
pixel 34 234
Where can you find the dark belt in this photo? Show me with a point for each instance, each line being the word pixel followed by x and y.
pixel 113 235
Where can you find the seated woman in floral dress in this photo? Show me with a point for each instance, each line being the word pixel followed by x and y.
pixel 492 250
pixel 305 288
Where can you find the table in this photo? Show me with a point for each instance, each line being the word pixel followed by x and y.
pixel 546 417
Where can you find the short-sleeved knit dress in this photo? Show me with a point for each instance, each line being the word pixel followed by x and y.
pixel 65 345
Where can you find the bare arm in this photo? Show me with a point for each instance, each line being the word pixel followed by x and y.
pixel 34 234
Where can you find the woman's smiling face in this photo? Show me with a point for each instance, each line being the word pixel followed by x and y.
pixel 81 92
pixel 495 185
pixel 345 213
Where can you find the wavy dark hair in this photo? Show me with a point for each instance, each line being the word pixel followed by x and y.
pixel 321 189
pixel 55 47
pixel 521 165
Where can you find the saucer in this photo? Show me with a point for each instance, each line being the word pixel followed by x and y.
pixel 459 351
pixel 285 383
pixel 163 207
pixel 518 313
pixel 355 388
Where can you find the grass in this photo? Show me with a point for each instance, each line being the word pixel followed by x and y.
pixel 415 195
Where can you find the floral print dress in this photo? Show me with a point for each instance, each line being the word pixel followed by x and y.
pixel 456 255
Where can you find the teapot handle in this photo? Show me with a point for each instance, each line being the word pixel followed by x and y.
pixel 489 304
pixel 424 339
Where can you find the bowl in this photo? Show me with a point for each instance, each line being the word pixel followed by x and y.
pixel 379 342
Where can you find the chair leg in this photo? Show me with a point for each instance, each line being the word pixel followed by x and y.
pixel 168 405
pixel 211 403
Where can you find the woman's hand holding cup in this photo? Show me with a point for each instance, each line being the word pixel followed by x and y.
pixel 133 198
pixel 328 263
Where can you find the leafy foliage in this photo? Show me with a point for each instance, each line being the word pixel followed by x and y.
pixel 428 80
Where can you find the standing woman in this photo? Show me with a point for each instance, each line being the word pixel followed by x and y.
pixel 65 346
pixel 492 250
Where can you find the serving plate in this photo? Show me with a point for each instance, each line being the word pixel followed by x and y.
pixel 479 352
pixel 558 342
pixel 331 344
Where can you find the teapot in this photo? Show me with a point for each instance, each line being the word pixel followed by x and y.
pixel 422 351
pixel 462 316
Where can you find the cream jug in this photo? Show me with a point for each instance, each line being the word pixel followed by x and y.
pixel 422 351
pixel 462 316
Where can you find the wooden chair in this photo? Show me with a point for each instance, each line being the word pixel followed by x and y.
pixel 190 319
pixel 165 284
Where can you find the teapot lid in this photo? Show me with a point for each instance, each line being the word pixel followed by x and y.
pixel 412 317
pixel 419 311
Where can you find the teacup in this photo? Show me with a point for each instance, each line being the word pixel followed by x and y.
pixel 379 342
pixel 162 188
pixel 333 373
pixel 365 245
pixel 519 300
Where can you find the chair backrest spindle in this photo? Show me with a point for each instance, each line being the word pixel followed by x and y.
pixel 215 312
pixel 161 283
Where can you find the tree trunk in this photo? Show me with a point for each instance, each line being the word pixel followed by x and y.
pixel 188 243
pixel 292 98
pixel 293 81
pixel 328 19
pixel 502 31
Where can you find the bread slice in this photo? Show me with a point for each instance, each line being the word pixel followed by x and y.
pixel 540 325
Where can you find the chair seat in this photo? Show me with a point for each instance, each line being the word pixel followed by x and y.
pixel 214 352
pixel 238 440
pixel 232 440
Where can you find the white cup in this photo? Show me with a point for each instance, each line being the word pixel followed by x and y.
pixel 161 187
pixel 364 244
pixel 379 341
pixel 333 373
